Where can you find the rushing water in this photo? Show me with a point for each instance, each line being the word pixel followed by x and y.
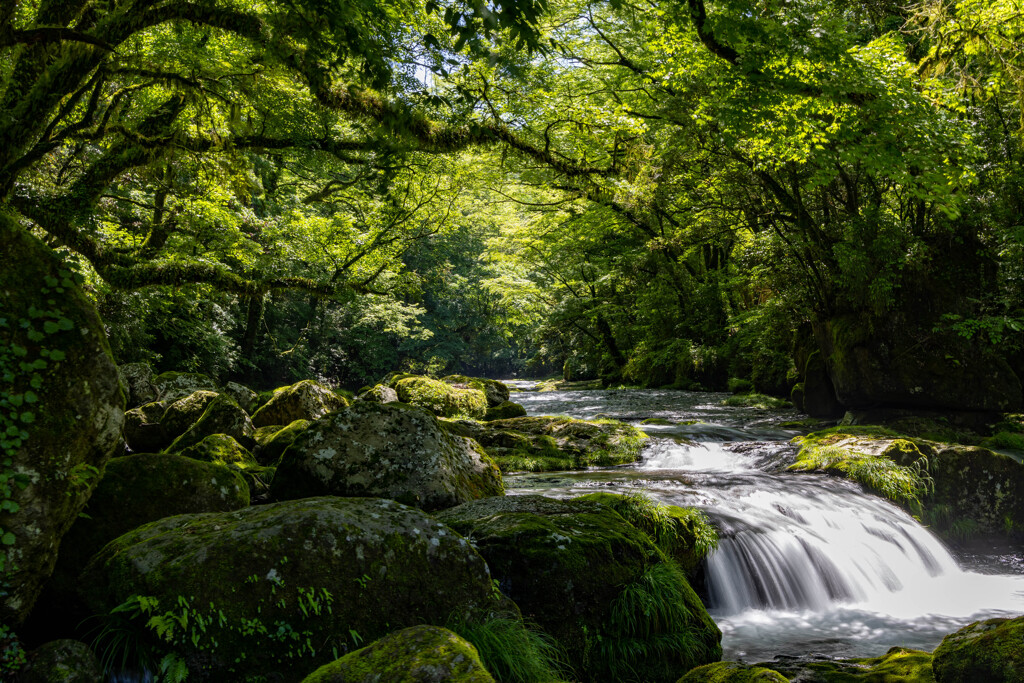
pixel 806 564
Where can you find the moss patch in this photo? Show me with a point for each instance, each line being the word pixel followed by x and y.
pixel 732 672
pixel 441 398
pixel 898 665
pixel 990 651
pixel 757 401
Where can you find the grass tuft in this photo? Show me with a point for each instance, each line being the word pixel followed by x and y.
pixel 513 651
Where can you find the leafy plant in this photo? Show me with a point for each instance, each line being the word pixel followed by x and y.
pixel 512 650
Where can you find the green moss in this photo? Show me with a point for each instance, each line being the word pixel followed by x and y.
pixel 657 421
pixel 581 572
pixel 898 665
pixel 412 655
pixel 1005 440
pixel 441 398
pixel 879 472
pixel 305 400
pixel 990 651
pixel 277 439
pixel 809 423
pixel 504 411
pixel 732 672
pixel 684 534
pixel 757 401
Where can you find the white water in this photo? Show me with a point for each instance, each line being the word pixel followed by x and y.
pixel 806 564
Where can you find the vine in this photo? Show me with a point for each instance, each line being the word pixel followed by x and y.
pixel 22 369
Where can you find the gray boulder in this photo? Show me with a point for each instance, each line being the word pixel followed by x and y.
pixel 386 450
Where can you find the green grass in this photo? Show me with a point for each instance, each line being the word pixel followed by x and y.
pixel 649 631
pixel 1006 440
pixel 512 651
pixel 901 484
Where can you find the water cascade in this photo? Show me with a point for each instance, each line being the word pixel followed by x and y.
pixel 806 563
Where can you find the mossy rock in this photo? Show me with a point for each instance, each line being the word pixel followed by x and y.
pixel 574 567
pixel 684 534
pixel 62 661
pixel 221 449
pixel 142 429
pixel 504 411
pixel 271 445
pixel 134 490
pixel 137 379
pixel 305 400
pixel 378 394
pixel 658 421
pixel 419 654
pixel 59 375
pixel 991 651
pixel 322 569
pixel 732 672
pixel 757 401
pixel 245 397
pixel 819 396
pixel 388 450
pixel 185 412
pixel 542 444
pixel 222 416
pixel 898 665
pixel 172 386
pixel 944 482
pixel 495 391
pixel 441 398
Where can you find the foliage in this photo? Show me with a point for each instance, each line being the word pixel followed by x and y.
pixel 902 484
pixel 513 651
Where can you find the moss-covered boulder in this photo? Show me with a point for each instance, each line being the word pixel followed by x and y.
pixel 281 587
pixel 504 411
pixel 134 490
pixel 142 429
pixel 419 654
pixel 595 582
pixel 275 439
pixel 61 411
pixel 185 412
pixel 222 416
pixel 242 395
pixel 137 379
pixel 386 450
pixel 305 400
pixel 732 672
pixel 62 661
pixel 379 394
pixel 441 398
pixel 990 651
pixel 543 444
pixel 684 534
pixel 898 665
pixel 948 483
pixel 171 386
pixel 495 391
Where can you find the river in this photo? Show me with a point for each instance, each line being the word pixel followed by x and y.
pixel 807 564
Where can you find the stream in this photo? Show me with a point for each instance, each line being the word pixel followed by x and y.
pixel 807 564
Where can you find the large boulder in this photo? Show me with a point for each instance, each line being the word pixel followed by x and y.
pixel 273 440
pixel 554 443
pixel 495 391
pixel 185 412
pixel 950 482
pixel 242 395
pixel 419 654
pixel 898 665
pixel 903 361
pixel 305 400
pixel 134 490
pixel 61 412
pixel 504 411
pixel 441 398
pixel 137 379
pixel 221 416
pixel 171 386
pixel 142 429
pixel 387 450
pixel 378 394
pixel 990 651
pixel 595 582
pixel 275 590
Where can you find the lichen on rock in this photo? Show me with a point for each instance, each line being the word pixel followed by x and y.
pixel 385 450
pixel 305 400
